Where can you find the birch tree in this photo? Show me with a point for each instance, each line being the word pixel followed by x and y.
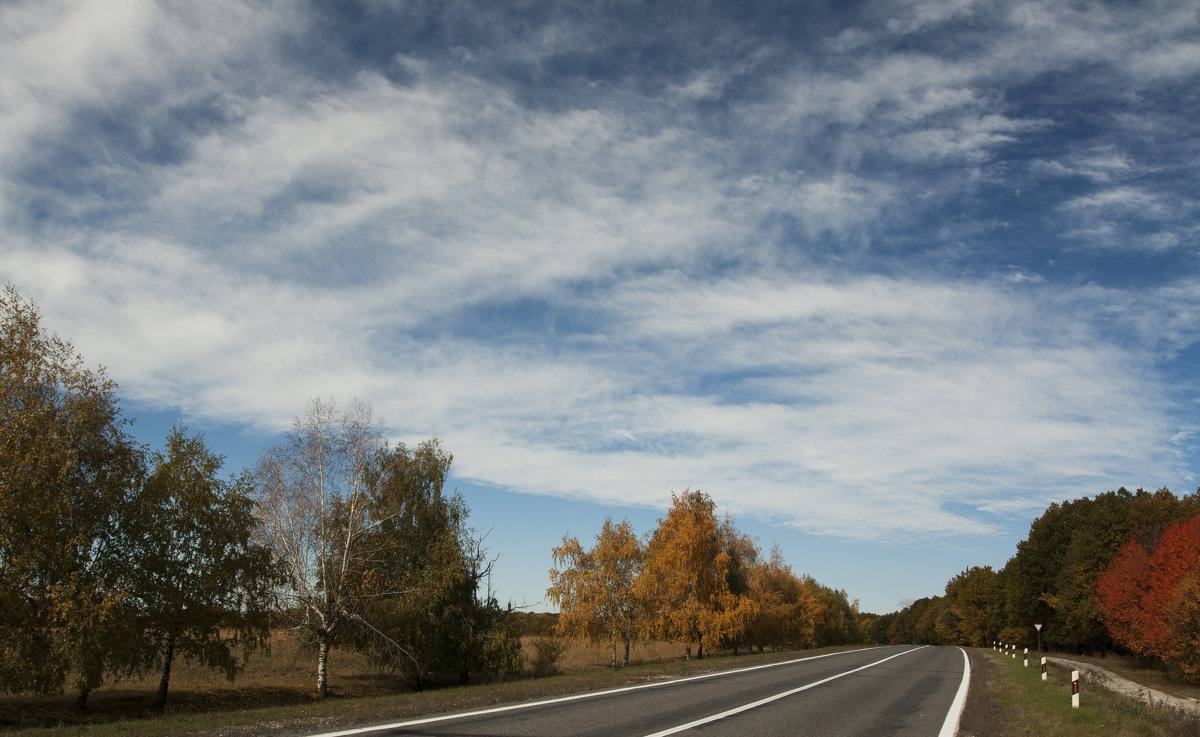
pixel 686 582
pixel 314 495
pixel 594 589
pixel 787 607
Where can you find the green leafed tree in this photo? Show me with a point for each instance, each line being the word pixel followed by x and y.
pixel 1104 524
pixel 1053 576
pixel 200 583
pixel 68 470
pixel 424 568
pixel 968 595
pixel 413 557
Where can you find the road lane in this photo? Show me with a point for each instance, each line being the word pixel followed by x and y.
pixel 908 688
pixel 759 703
pixel 905 697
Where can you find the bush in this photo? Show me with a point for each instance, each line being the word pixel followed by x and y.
pixel 547 651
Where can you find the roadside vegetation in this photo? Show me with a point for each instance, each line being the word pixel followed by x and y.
pixel 697 580
pixel 1115 573
pixel 1009 699
pixel 120 562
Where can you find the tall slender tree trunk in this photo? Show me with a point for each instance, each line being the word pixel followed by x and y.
pixel 687 651
pixel 625 662
pixel 613 662
pixel 160 699
pixel 322 660
pixel 81 699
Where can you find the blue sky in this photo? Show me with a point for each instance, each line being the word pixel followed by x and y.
pixel 883 278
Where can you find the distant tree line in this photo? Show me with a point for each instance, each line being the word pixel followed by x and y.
pixel 695 579
pixel 1118 571
pixel 116 560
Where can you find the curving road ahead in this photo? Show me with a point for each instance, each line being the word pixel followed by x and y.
pixel 903 691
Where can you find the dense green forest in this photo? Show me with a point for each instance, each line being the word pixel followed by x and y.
pixel 1115 571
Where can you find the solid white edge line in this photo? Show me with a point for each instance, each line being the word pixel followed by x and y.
pixel 769 699
pixel 577 697
pixel 950 726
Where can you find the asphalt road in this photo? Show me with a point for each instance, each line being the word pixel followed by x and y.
pixel 901 691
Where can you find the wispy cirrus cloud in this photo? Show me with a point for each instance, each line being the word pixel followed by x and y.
pixel 831 271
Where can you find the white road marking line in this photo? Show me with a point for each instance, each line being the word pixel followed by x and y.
pixel 769 699
pixel 576 697
pixel 950 726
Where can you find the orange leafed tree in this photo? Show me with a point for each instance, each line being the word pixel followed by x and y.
pixel 1183 616
pixel 594 589
pixel 787 607
pixel 1148 597
pixel 686 583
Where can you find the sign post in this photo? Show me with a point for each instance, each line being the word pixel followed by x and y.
pixel 1038 627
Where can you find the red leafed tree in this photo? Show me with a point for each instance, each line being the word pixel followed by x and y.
pixel 1142 592
pixel 1120 591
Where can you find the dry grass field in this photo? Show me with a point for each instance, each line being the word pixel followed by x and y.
pixel 581 657
pixel 283 676
pixel 287 674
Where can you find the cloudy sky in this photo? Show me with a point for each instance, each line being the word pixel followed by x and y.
pixel 883 278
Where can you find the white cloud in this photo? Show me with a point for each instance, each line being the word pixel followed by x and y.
pixel 1129 199
pixel 60 55
pixel 894 398
pixel 1172 60
pixel 334 237
pixel 916 16
pixel 1100 165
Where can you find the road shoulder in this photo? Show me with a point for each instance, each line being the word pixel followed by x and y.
pixel 1126 687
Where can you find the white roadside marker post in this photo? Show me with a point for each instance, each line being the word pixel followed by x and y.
pixel 1026 657
pixel 1074 689
pixel 1043 669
